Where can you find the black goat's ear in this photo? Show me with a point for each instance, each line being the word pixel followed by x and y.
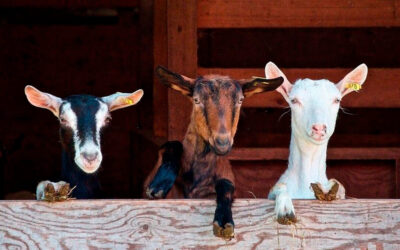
pixel 43 100
pixel 176 81
pixel 259 85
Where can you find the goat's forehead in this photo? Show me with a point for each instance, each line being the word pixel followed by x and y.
pixel 314 89
pixel 213 84
pixel 83 105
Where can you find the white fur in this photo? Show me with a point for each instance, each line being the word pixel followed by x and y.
pixel 88 146
pixel 312 102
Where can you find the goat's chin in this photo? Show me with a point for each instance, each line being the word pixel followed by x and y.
pixel 222 152
pixel 318 140
pixel 88 168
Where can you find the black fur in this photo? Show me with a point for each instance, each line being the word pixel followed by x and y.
pixel 85 108
pixel 223 212
pixel 87 185
pixel 168 171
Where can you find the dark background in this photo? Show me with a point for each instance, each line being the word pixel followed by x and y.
pixel 105 47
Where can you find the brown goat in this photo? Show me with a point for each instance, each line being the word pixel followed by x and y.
pixel 199 168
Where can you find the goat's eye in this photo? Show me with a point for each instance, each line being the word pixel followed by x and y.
pixel 196 100
pixel 336 101
pixel 107 120
pixel 294 101
pixel 240 100
pixel 63 121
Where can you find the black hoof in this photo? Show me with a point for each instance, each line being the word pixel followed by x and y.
pixel 226 232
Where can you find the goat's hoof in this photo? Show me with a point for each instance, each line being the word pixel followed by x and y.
pixel 335 193
pixel 151 194
pixel 226 232
pixel 287 219
pixel 49 189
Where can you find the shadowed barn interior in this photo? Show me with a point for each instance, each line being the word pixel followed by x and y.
pixel 100 47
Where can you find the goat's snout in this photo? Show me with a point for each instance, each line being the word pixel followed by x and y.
pixel 222 144
pixel 90 157
pixel 318 131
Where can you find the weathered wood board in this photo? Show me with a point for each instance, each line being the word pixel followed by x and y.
pixel 184 224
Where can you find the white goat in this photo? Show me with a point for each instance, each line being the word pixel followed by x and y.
pixel 314 106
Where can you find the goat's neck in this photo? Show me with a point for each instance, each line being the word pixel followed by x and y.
pixel 87 185
pixel 195 147
pixel 307 161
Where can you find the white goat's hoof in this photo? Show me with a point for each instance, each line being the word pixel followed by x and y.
pixel 333 191
pixel 340 192
pixel 284 210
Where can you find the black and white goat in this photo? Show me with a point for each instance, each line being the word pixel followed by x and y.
pixel 82 118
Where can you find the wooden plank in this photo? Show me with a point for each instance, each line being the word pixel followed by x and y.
pixel 397 176
pixel 297 13
pixel 381 90
pixel 69 3
pixel 182 58
pixel 178 224
pixel 245 154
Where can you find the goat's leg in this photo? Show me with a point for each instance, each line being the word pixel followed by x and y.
pixel 223 222
pixel 165 176
pixel 284 209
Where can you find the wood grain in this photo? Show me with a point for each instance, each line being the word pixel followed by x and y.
pixel 297 13
pixel 182 224
pixel 382 81
pixel 182 58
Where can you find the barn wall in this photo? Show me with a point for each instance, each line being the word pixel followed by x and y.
pixel 71 51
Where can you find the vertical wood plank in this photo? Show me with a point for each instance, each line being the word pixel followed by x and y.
pixel 160 92
pixel 397 178
pixel 182 58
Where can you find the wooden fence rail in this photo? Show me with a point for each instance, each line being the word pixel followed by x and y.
pixel 177 224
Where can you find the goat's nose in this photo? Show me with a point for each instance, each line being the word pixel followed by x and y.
pixel 222 141
pixel 90 156
pixel 319 129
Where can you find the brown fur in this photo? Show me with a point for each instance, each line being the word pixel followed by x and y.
pixel 215 115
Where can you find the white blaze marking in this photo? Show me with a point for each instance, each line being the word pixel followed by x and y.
pixel 89 145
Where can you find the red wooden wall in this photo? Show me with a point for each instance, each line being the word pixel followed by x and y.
pixel 311 39
pixel 72 47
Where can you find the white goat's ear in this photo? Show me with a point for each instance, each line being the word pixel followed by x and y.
pixel 122 100
pixel 272 71
pixel 353 80
pixel 43 100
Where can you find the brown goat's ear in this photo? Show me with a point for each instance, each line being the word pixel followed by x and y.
pixel 258 85
pixel 43 100
pixel 175 81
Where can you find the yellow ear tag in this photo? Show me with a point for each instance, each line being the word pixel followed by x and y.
pixel 354 86
pixel 128 101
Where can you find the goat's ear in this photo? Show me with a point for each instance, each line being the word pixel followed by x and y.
pixel 43 100
pixel 353 80
pixel 175 81
pixel 122 100
pixel 258 85
pixel 272 71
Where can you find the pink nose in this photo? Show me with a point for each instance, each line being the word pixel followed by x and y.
pixel 319 129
